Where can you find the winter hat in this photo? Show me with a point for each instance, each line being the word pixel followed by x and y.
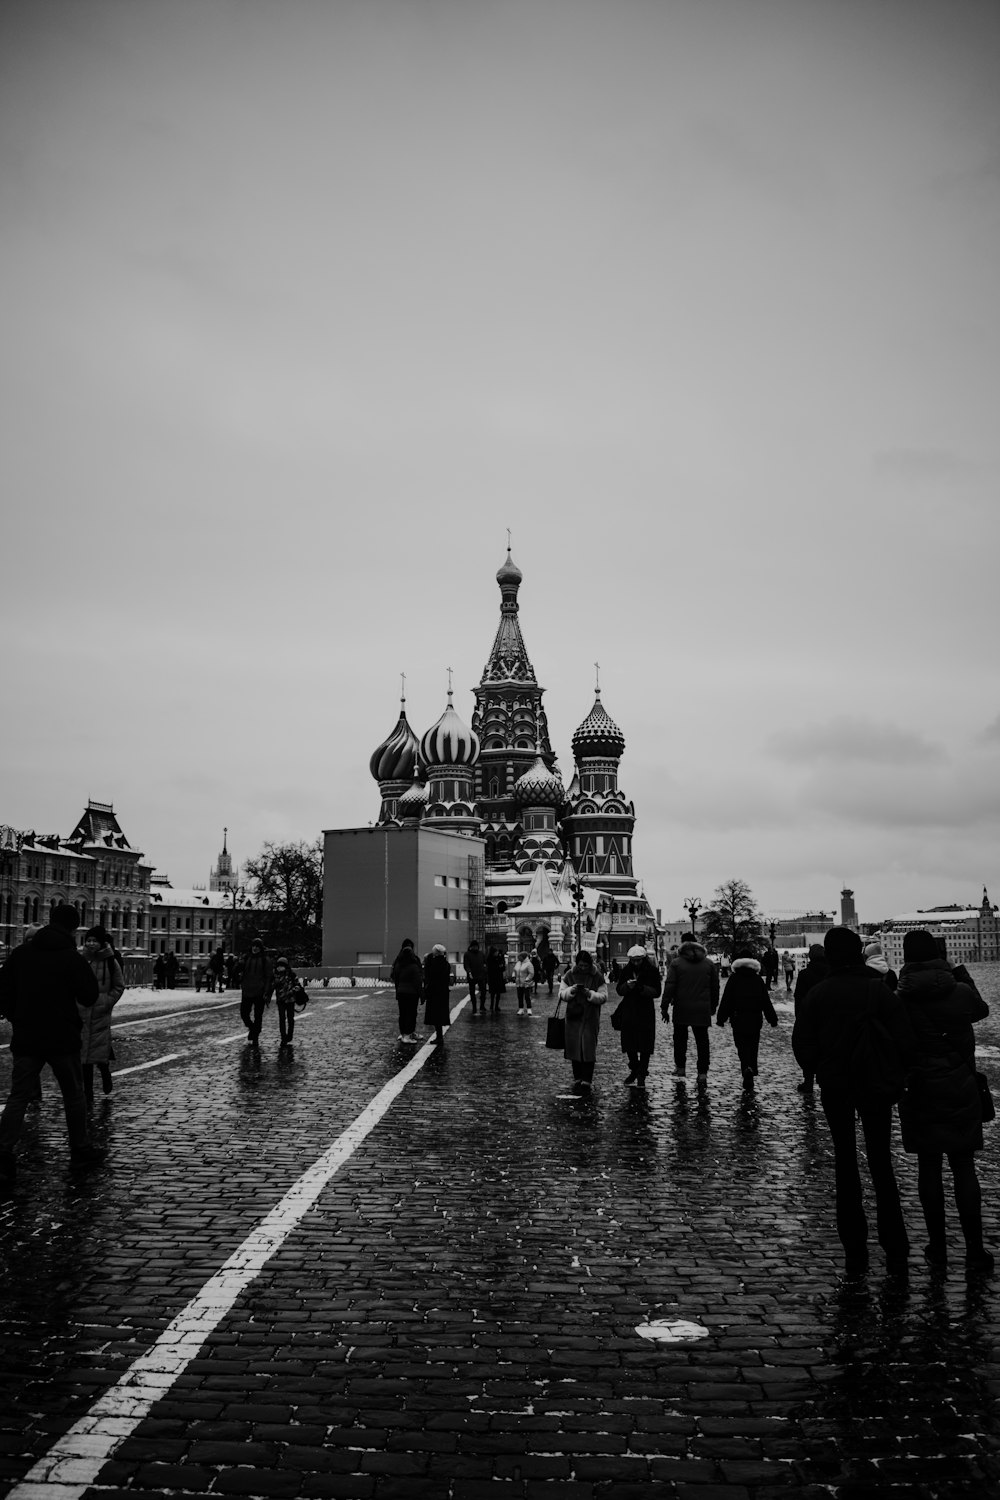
pixel 65 916
pixel 100 933
pixel 817 953
pixel 842 947
pixel 439 948
pixel 919 947
pixel 689 937
pixel 638 951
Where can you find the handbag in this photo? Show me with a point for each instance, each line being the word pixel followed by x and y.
pixel 301 997
pixel 555 1030
pixel 986 1104
pixel 618 1015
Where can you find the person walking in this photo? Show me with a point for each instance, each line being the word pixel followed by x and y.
pixel 639 986
pixel 474 964
pixel 496 975
pixel 287 990
pixel 769 965
pixel 691 987
pixel 584 990
pixel 217 971
pixel 95 1020
pixel 407 975
pixel 827 1036
pixel 746 1005
pixel 524 979
pixel 437 991
pixel 940 1112
pixel 256 988
pixel 160 973
pixel 172 965
pixel 537 970
pixel 549 966
pixel 814 971
pixel 788 965
pixel 42 984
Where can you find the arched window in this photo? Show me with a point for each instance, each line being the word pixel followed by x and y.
pixel 34 910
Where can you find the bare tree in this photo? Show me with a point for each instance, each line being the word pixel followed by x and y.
pixel 734 919
pixel 288 886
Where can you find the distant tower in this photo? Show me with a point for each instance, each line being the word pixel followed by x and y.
pixel 395 762
pixel 449 751
pixel 223 877
pixel 597 828
pixel 848 916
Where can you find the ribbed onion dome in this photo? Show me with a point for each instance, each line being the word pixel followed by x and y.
pixel 396 757
pixel 449 742
pixel 598 734
pixel 539 787
pixel 413 801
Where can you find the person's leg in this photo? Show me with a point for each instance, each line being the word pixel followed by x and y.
pixel 852 1225
pixel 282 1022
pixel 587 1073
pixel 876 1122
pixel 87 1073
pixel 633 1066
pixel 290 1020
pixel 69 1076
pixel 257 1021
pixel 968 1201
pixel 930 1189
pixel 246 1015
pixel 680 1047
pixel 107 1082
pixel 703 1048
pixel 642 1067
pixel 24 1084
pixel 410 1008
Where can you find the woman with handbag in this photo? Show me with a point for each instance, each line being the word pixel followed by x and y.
pixel 940 1112
pixel 635 1018
pixel 584 991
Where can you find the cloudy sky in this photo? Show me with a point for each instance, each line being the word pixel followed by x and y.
pixel 305 302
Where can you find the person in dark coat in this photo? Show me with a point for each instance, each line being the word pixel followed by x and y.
pixel 288 993
pixel 496 975
pixel 474 964
pixel 746 1005
pixel 692 988
pixel 584 990
pixel 173 964
pixel 256 987
pixel 437 991
pixel 407 975
pixel 160 973
pixel 826 1033
pixel 95 1037
pixel 876 960
pixel 940 1112
pixel 639 986
pixel 217 971
pixel 41 985
pixel 814 971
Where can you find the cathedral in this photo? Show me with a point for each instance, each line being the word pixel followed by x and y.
pixel 557 859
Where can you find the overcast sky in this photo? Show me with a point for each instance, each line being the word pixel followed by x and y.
pixel 305 304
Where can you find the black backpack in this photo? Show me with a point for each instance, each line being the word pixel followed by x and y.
pixel 876 1069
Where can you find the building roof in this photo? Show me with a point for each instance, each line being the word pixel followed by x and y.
pixel 169 895
pixel 935 917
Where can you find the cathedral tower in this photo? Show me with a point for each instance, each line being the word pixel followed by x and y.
pixel 598 827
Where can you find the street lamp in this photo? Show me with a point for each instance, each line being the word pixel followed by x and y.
pixel 577 890
pixel 239 895
pixel 692 905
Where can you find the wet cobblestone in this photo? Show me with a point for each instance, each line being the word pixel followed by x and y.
pixel 457 1313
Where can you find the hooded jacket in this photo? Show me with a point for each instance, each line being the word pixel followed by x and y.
pixel 583 1011
pixel 257 982
pixel 691 986
pixel 638 1007
pixel 95 1020
pixel 745 1001
pixel 940 1109
pixel 407 972
pixel 41 985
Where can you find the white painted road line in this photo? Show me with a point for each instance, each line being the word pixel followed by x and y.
pixel 75 1460
pixel 140 1067
pixel 175 1015
pixel 336 1005
pixel 236 1036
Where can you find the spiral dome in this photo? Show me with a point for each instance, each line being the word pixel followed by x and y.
pixel 413 801
pixel 397 757
pixel 598 734
pixel 539 787
pixel 449 742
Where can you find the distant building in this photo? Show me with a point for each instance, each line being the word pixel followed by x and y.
pixel 971 933
pixel 224 877
pixel 848 914
pixel 193 922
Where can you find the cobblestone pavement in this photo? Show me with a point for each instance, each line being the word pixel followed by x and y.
pixel 460 1312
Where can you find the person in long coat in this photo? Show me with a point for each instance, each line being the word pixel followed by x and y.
pixel 496 973
pixel 256 988
pixel 95 1035
pixel 437 991
pixel 940 1112
pixel 691 987
pixel 408 977
pixel 584 990
pixel 746 1004
pixel 813 974
pixel 639 986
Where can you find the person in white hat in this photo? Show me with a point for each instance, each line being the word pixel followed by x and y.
pixel 635 1018
pixel 437 991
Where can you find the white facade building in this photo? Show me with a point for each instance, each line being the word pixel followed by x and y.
pixel 971 933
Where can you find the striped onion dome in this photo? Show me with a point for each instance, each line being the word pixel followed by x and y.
pixel 449 742
pixel 539 787
pixel 397 757
pixel 598 734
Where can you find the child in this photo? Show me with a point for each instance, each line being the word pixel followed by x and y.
pixel 745 1003
pixel 287 990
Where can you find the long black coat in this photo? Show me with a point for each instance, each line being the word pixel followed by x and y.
pixel 437 990
pixel 638 1031
pixel 940 1109
pixel 41 985
pixel 830 1022
pixel 745 1001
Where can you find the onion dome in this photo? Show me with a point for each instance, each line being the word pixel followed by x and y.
pixel 509 572
pixel 449 742
pixel 396 758
pixel 598 734
pixel 413 801
pixel 539 787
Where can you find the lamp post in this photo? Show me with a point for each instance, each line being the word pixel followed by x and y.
pixel 11 840
pixel 239 896
pixel 577 890
pixel 692 905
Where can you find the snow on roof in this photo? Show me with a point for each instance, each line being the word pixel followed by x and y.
pixel 936 918
pixel 169 895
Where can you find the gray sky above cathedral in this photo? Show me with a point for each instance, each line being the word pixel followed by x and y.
pixel 304 305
